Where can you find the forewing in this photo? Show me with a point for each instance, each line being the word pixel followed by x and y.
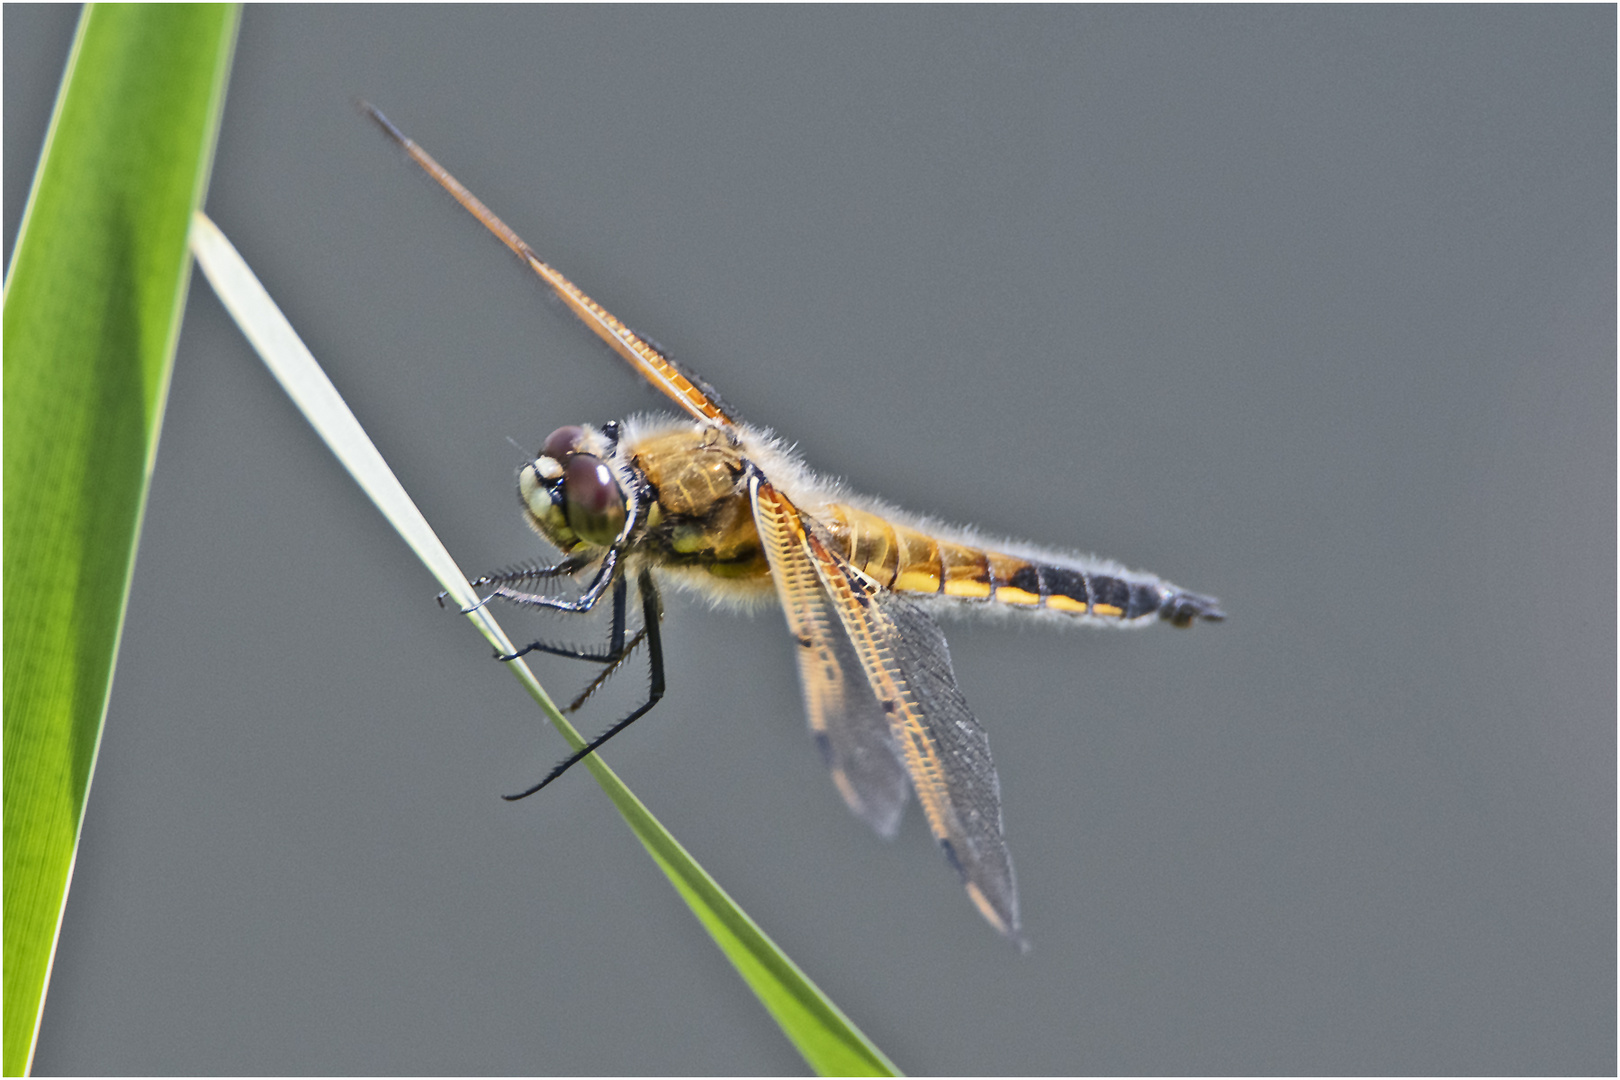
pixel 682 386
pixel 908 669
pixel 849 725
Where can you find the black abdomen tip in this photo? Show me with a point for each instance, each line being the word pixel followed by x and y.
pixel 1182 608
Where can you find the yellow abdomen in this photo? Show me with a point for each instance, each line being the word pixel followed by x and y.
pixel 702 520
pixel 911 561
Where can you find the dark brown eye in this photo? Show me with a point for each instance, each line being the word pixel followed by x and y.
pixel 592 498
pixel 562 442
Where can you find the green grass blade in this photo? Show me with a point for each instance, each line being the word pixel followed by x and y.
pixel 92 308
pixel 829 1042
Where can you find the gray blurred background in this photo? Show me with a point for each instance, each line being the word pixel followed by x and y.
pixel 1311 309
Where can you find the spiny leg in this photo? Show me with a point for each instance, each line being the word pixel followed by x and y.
pixel 608 671
pixel 611 655
pixel 569 566
pixel 651 613
pixel 606 574
pixel 572 564
pixel 617 652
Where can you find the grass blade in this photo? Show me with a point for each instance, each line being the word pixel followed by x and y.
pixel 827 1039
pixel 93 299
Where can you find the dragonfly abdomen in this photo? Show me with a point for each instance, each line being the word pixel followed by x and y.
pixel 911 561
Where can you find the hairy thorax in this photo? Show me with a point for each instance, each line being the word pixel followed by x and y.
pixel 701 517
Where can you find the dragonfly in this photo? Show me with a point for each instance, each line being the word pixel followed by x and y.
pixel 710 504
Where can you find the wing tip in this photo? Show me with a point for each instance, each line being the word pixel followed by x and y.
pixel 1005 922
pixel 376 116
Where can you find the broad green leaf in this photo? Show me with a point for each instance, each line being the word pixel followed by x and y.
pixel 829 1041
pixel 92 307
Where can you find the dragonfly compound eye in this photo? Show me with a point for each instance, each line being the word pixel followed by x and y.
pixel 563 442
pixel 594 501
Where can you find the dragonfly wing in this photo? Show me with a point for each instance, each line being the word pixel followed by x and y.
pixel 849 725
pixel 907 666
pixel 679 384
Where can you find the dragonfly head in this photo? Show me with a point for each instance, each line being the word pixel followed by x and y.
pixel 570 492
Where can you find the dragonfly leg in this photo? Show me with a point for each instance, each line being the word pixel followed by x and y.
pixel 651 612
pixel 606 574
pixel 610 668
pixel 569 566
pixel 611 655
